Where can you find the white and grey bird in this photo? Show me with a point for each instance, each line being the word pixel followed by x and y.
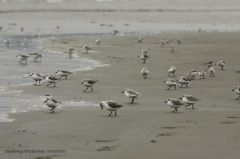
pixel 139 39
pixel 212 71
pixel 237 90
pixel 170 83
pixel 86 48
pixel 63 73
pixel 110 106
pixel 210 63
pixel 144 50
pixel 172 70
pixel 6 42
pixel 36 77
pixel 51 79
pixel 172 49
pixel 97 41
pixel 174 103
pixel 191 74
pixel 162 43
pixel 144 72
pixel 201 73
pixel 52 103
pixel 35 56
pixel 131 94
pixel 143 57
pixel 183 81
pixel 222 64
pixel 168 40
pixel 189 100
pixel 88 83
pixel 22 57
pixel 179 40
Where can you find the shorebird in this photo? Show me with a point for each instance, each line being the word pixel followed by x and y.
pixel 139 39
pixel 131 94
pixel 85 47
pixel 6 42
pixel 144 57
pixel 172 49
pixel 174 103
pixel 63 73
pixel 144 50
pixel 144 72
pixel 183 81
pixel 88 83
pixel 35 56
pixel 201 73
pixel 210 63
pixel 22 57
pixel 179 40
pixel 172 70
pixel 221 64
pixel 162 43
pixel 237 90
pixel 97 41
pixel 189 100
pixel 51 79
pixel 110 106
pixel 170 83
pixel 70 52
pixel 115 32
pixel 168 40
pixel 36 77
pixel 191 74
pixel 52 103
pixel 211 71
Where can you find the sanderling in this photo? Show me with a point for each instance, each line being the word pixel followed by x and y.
pixel 139 39
pixel 6 42
pixel 89 83
pixel 189 100
pixel 63 73
pixel 85 47
pixel 36 77
pixel 35 56
pixel 115 32
pixel 221 64
pixel 168 40
pixel 179 40
pixel 22 57
pixel 183 81
pixel 144 57
pixel 172 49
pixel 51 79
pixel 162 43
pixel 144 72
pixel 70 52
pixel 201 73
pixel 191 74
pixel 170 83
pixel 237 90
pixel 52 103
pixel 211 71
pixel 110 106
pixel 174 103
pixel 210 63
pixel 131 94
pixel 144 50
pixel 97 41
pixel 172 70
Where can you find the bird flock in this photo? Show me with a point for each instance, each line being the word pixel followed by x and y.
pixel 112 106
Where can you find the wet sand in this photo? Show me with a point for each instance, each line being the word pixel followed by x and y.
pixel 147 128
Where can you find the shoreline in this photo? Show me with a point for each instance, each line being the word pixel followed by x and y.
pixel 89 133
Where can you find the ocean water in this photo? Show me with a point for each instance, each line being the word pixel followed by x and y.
pixel 15 74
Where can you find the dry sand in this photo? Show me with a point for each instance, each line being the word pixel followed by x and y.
pixel 147 128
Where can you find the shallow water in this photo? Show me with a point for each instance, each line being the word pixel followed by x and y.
pixel 14 73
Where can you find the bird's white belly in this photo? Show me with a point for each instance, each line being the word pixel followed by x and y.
pixel 87 84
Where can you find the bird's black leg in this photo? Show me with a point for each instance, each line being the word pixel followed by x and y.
pixel 85 89
pixel 169 87
pixel 238 98
pixel 91 89
pixel 54 84
pixel 53 110
pixel 39 81
pixel 115 113
pixel 175 86
pixel 35 83
pixel 187 105
pixel 181 86
pixel 49 84
pixel 173 74
pixel 60 77
pixel 110 114
pixel 169 74
pixel 192 106
pixel 144 61
pixel 187 85
pixel 65 77
pixel 133 99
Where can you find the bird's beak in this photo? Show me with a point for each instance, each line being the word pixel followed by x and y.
pixel 122 91
pixel 82 82
pixel 165 102
pixel 45 101
pixel 180 98
pixel 233 89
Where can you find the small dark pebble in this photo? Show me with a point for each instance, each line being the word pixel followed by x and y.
pixel 153 140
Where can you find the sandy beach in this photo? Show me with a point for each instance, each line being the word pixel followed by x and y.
pixel 147 128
